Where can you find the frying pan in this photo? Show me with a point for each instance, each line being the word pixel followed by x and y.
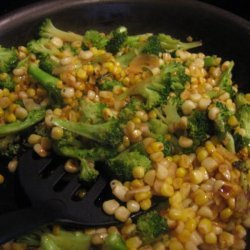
pixel 221 32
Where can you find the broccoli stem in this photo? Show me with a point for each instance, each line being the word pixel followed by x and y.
pixel 47 81
pixel 33 117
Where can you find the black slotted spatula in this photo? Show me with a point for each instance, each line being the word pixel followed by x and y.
pixel 50 203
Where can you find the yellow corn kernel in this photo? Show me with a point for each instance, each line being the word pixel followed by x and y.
pixel 136 120
pixel 31 92
pixel 138 172
pixel 169 158
pixel 181 172
pixel 167 189
pixel 157 146
pixel 13 97
pixel 191 224
pixel 12 107
pixel 200 197
pixel 136 183
pixel 56 133
pixel 176 158
pixel 175 245
pixel 176 199
pixel 205 226
pixel 10 117
pixel 145 204
pixel 59 84
pixel 1 112
pixel 196 176
pixel 142 196
pixel 211 238
pixel 184 235
pixel 133 242
pixel 1 179
pixel 177 182
pixel 202 154
pixel 152 114
pixel 81 74
pixel 226 213
pixel 210 147
pixel 6 92
pixel 232 121
pixel 218 157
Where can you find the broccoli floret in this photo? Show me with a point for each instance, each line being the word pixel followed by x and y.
pixel 125 59
pixel 152 46
pixel 199 127
pixel 156 89
pixel 107 133
pixel 225 80
pixel 118 37
pixel 65 240
pixel 91 112
pixel 243 116
pixel 157 127
pixel 6 81
pixel 243 166
pixel 121 166
pixel 33 117
pixel 170 44
pixel 109 84
pixel 210 61
pixel 175 77
pixel 48 30
pixel 114 241
pixel 8 59
pixel 240 100
pixel 151 226
pixel 168 112
pixel 47 81
pixel 129 111
pixel 94 38
pixel 168 148
pixel 9 146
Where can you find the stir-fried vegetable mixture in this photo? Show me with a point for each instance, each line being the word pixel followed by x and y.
pixel 163 121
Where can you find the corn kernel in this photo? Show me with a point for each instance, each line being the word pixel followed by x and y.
pixel 1 179
pixel 210 147
pixel 57 133
pixel 196 176
pixel 205 226
pixel 217 157
pixel 138 172
pixel 145 204
pixel 175 245
pixel 211 238
pixel 184 235
pixel 176 199
pixel 157 146
pixel 133 242
pixel 202 154
pixel 226 213
pixel 181 172
pixel 167 190
pixel 191 224
pixel 136 120
pixel 200 197
pixel 1 112
pixel 142 196
pixel 10 117
pixel 31 92
pixel 136 183
pixel 232 121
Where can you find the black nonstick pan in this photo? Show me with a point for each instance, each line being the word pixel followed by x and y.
pixel 221 32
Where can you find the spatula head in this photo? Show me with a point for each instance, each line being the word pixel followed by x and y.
pixel 45 181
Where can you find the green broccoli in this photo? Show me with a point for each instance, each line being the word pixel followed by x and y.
pixel 168 112
pixel 157 127
pixel 114 241
pixel 93 38
pixel 152 46
pixel 156 89
pixel 243 116
pixel 225 80
pixel 199 127
pixel 107 133
pixel 125 59
pixel 240 100
pixel 91 112
pixel 118 38
pixel 121 166
pixel 48 30
pixel 8 59
pixel 129 111
pixel 151 226
pixel 9 146
pixel 109 84
pixel 46 52
pixel 47 81
pixel 6 81
pixel 243 166
pixel 210 61
pixel 171 44
pixel 168 148
pixel 65 240
pixel 33 117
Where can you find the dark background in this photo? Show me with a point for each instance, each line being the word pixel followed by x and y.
pixel 238 7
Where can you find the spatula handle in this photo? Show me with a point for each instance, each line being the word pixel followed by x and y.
pixel 21 222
